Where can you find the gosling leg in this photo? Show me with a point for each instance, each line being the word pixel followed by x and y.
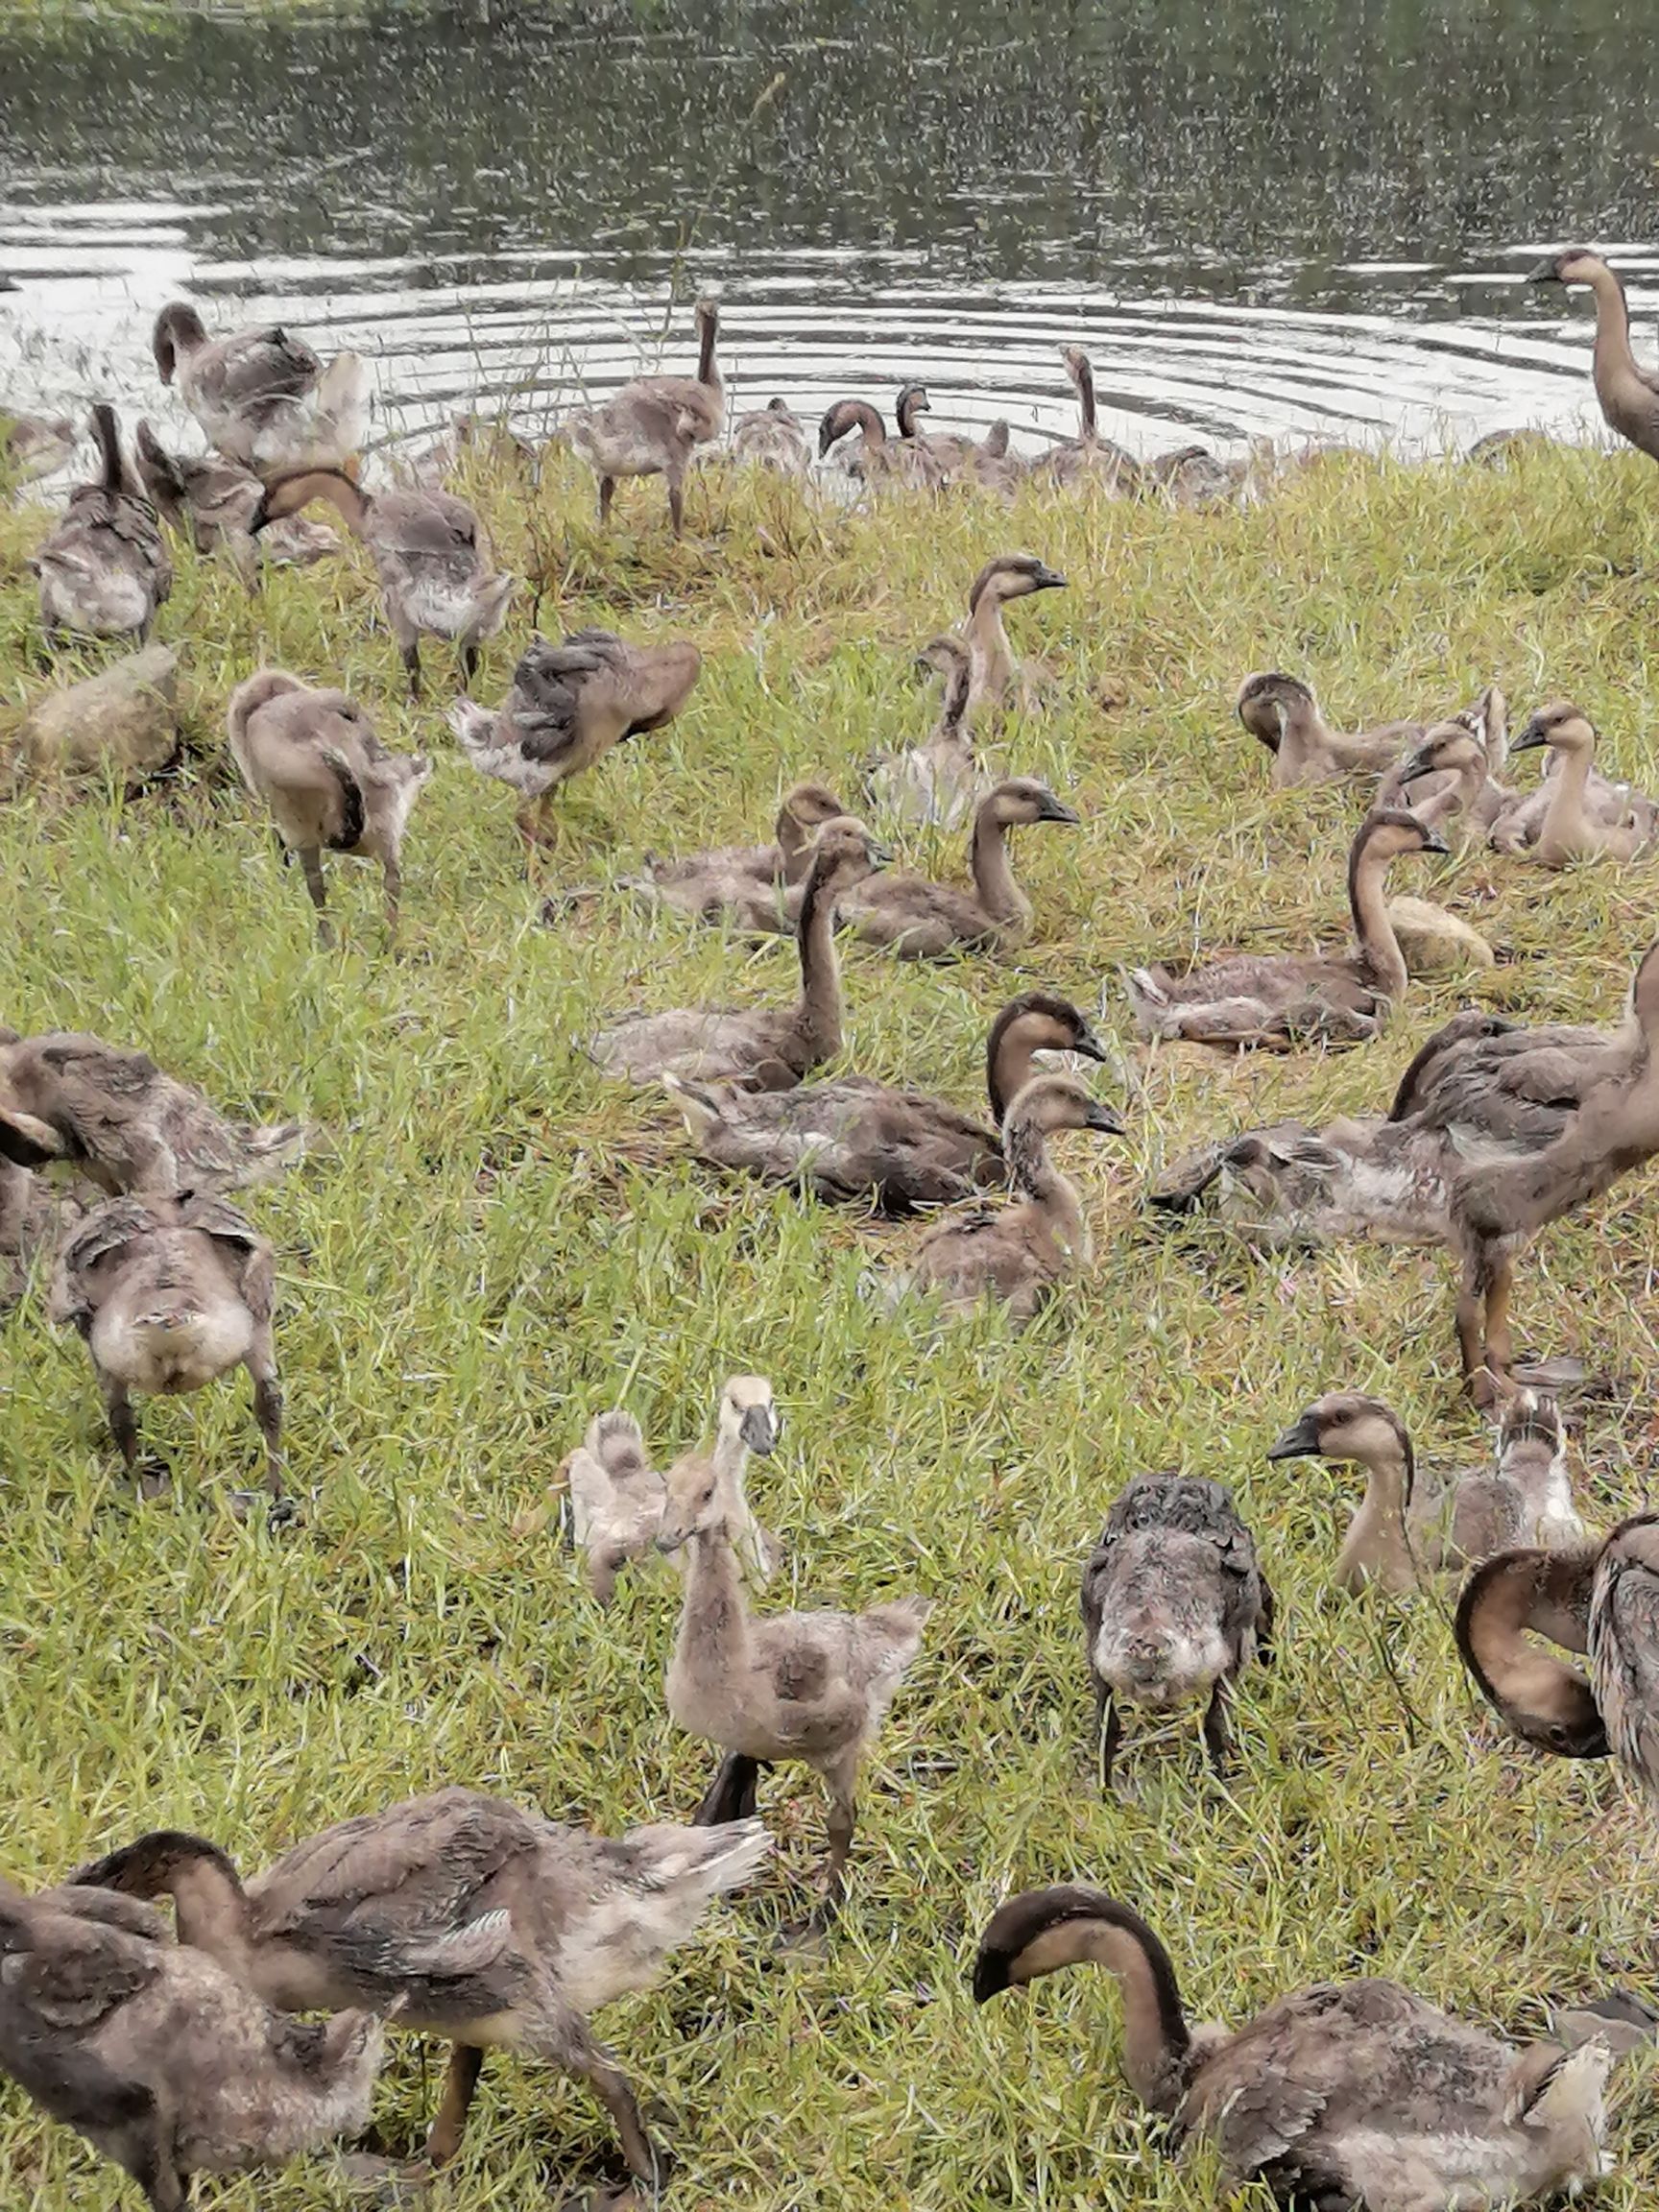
pixel 409 646
pixel 311 862
pixel 677 500
pixel 392 877
pixel 645 2162
pixel 1500 1344
pixel 1469 1318
pixel 123 1420
pixel 157 2173
pixel 459 2084
pixel 1219 1726
pixel 1107 1733
pixel 730 1796
pixel 470 659
pixel 607 492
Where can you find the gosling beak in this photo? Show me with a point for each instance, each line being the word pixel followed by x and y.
pixel 1053 810
pixel 883 855
pixel 759 1429
pixel 1047 579
pixel 1419 765
pixel 1088 1043
pixel 1433 842
pixel 1299 1442
pixel 260 516
pixel 1545 273
pixel 1531 736
pixel 670 1541
pixel 1106 1119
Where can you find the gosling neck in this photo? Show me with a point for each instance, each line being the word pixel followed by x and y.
pixel 714 1616
pixel 1566 830
pixel 1010 1062
pixel 1613 365
pixel 1087 424
pixel 1547 1592
pixel 1377 1546
pixel 1041 1183
pixel 707 372
pixel 955 702
pixel 999 895
pixel 1378 948
pixel 991 657
pixel 294 492
pixel 820 1011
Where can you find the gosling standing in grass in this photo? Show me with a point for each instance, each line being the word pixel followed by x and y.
pixel 813 1687
pixel 330 784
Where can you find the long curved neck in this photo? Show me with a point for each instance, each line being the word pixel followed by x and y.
pixel 1376 1544
pixel 1087 425
pixel 1303 736
pixel 1157 2042
pixel 1547 1592
pixel 1010 1062
pixel 293 493
pixel 1378 948
pixel 1613 364
pixel 993 871
pixel 707 372
pixel 1565 825
pixel 1041 1183
pixel 955 701
pixel 820 969
pixel 858 415
pixel 991 658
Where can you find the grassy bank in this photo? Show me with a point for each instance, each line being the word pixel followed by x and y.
pixel 498 1243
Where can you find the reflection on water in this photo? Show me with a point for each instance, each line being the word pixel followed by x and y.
pixel 1289 216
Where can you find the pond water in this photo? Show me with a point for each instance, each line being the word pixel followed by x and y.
pixel 1294 217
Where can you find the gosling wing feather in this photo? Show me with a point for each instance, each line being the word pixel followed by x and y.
pixel 1624 1642
pixel 80 1973
pixel 88 1060
pixel 268 364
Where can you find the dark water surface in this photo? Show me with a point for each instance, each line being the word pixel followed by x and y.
pixel 1283 216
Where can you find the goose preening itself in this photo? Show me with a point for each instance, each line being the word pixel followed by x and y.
pixel 920 920
pixel 261 395
pixel 1577 820
pixel 772 438
pixel 764 1049
pixel 33 445
pixel 617 1500
pixel 1498 1205
pixel 313 758
pixel 855 1141
pixel 885 464
pixel 571 702
pixel 1282 713
pixel 1281 1000
pixel 430 553
pixel 1601 1600
pixel 1016 1255
pixel 995 678
pixel 168 1294
pixel 1407 1529
pixel 1346 2094
pixel 101 569
pixel 651 426
pixel 1175 1607
pixel 211 502
pixel 744 885
pixel 1628 394
pixel 164 2062
pixel 961 459
pixel 937 781
pixel 1088 458
pixel 67 1096
pixel 492 1927
pixel 808 1686
pixel 1452 770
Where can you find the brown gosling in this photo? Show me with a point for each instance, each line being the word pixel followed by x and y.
pixel 654 424
pixel 920 920
pixel 1627 393
pixel 1175 1607
pixel 744 885
pixel 1088 458
pixel 1498 1207
pixel 885 464
pixel 262 396
pixel 996 680
pixel 772 438
pixel 430 553
pixel 472 1919
pixel 71 1098
pixel 569 704
pixel 1017 1254
pixel 164 2062
pixel 1280 1000
pixel 1573 827
pixel 937 781
pixel 813 1687
pixel 210 501
pixel 1282 713
pixel 761 1048
pixel 1346 2094
pixel 330 786
pixel 168 1294
pixel 1406 1530
pixel 102 570
pixel 617 1500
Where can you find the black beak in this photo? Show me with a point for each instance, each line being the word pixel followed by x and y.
pixel 883 855
pixel 668 1541
pixel 1056 810
pixel 1419 765
pixel 1049 580
pixel 1529 737
pixel 1106 1119
pixel 1300 1442
pixel 260 516
pixel 1545 273
pixel 1088 1043
pixel 759 1429
pixel 1433 842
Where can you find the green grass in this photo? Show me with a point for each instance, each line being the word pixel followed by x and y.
pixel 498 1243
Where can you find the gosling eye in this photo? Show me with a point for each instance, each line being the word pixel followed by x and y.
pixel 1558 1737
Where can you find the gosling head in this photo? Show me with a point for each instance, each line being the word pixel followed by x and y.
pixel 179 330
pixel 1051 1102
pixel 845 415
pixel 1388 831
pixel 845 852
pixel 1448 745
pixel 912 400
pixel 1079 366
pixel 1014 576
pixel 1268 700
pixel 1021 800
pixel 1574 265
pixel 1563 727
pixel 1345 1425
pixel 1049 1023
pixel 748 1420
pixel 809 805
